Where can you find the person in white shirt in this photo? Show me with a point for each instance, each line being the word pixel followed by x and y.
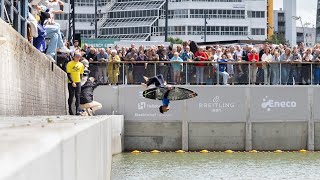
pixel 266 58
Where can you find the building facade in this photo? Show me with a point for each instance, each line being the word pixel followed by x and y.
pixel 307 35
pixel 144 20
pixel 290 8
pixel 318 23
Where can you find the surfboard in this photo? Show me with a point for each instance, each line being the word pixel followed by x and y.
pixel 177 93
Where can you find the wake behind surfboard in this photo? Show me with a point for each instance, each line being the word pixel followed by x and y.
pixel 177 93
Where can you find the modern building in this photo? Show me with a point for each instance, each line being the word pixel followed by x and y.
pixel 84 16
pixel 145 19
pixel 306 35
pixel 279 22
pixel 290 8
pixel 318 23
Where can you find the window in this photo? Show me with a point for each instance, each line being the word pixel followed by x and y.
pixel 256 14
pixel 258 31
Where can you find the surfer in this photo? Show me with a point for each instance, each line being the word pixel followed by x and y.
pixel 159 82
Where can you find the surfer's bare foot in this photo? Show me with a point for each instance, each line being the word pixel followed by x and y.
pixel 144 85
pixel 146 78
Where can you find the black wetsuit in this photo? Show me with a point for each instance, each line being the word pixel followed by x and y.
pixel 158 81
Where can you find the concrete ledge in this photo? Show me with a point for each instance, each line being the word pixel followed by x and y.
pixel 148 136
pixel 280 135
pixel 216 136
pixel 58 148
pixel 317 136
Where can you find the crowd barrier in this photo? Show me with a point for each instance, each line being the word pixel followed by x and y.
pixel 272 73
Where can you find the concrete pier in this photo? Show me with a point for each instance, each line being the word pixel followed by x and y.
pixel 59 148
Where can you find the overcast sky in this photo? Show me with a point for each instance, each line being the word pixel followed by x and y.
pixel 307 9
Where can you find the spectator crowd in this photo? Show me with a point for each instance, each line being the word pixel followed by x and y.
pixel 188 63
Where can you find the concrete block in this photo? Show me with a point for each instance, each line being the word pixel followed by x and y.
pixel 216 136
pixel 147 136
pixel 317 136
pixel 280 135
pixel 28 75
pixel 117 134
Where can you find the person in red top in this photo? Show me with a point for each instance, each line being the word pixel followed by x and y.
pixel 200 55
pixel 253 57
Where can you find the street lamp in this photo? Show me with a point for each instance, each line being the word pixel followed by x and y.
pixel 205 26
pixel 305 41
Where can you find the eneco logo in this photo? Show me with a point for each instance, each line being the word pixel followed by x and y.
pixel 269 104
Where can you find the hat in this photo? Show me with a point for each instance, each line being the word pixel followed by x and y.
pixel 85 63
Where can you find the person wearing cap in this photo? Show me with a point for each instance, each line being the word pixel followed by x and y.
pixel 86 98
pixel 113 67
pixel 75 70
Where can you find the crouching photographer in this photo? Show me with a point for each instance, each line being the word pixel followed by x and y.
pixel 86 98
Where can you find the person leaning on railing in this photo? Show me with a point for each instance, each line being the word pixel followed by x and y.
pixel 140 67
pixel 296 66
pixel 306 68
pixel 113 68
pixel 253 58
pixel 188 56
pixel 200 56
pixel 275 68
pixel 131 56
pixel 164 67
pixel 316 59
pixel 285 59
pixel 102 58
pixel 266 58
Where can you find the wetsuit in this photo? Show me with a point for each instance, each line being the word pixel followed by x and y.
pixel 158 81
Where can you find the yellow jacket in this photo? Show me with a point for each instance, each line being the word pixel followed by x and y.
pixel 113 66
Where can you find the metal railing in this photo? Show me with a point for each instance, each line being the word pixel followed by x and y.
pixel 15 12
pixel 209 73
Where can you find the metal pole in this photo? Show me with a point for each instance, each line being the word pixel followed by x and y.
pixel 311 75
pixel 95 19
pixel 304 33
pixel 166 21
pixel 205 26
pixel 280 73
pixel 2 9
pixel 24 13
pixel 186 73
pixel 249 72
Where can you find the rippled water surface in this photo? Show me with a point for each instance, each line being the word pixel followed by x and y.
pixel 199 166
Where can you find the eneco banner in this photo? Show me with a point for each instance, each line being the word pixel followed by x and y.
pixel 279 103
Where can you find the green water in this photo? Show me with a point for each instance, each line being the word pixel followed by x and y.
pixel 165 166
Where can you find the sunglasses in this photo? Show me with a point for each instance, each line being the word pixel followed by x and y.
pixel 77 55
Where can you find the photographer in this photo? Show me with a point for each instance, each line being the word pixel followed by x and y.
pixel 86 98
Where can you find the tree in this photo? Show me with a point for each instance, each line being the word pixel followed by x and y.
pixel 277 38
pixel 175 40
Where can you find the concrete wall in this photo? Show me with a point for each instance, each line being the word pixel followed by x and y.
pixel 219 118
pixel 29 83
pixel 59 148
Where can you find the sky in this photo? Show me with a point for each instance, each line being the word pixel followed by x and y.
pixel 307 9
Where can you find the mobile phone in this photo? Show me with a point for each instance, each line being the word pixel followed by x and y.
pixel 61 7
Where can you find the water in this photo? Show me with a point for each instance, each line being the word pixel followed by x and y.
pixel 165 166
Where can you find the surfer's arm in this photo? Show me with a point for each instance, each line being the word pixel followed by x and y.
pixel 166 94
